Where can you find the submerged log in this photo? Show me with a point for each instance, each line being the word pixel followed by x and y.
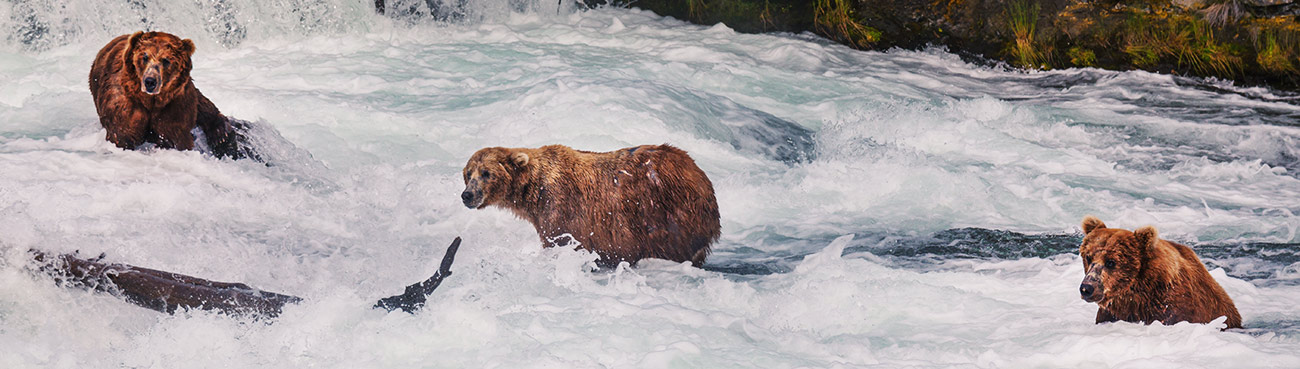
pixel 159 290
pixel 168 292
pixel 415 295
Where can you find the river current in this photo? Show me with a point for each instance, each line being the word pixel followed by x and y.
pixel 879 208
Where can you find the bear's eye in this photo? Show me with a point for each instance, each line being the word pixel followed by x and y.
pixel 1110 264
pixel 144 59
pixel 485 174
pixel 166 63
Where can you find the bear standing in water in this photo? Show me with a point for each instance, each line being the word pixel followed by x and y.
pixel 626 205
pixel 1138 277
pixel 143 94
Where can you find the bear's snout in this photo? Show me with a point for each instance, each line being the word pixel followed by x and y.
pixel 1090 290
pixel 150 85
pixel 471 199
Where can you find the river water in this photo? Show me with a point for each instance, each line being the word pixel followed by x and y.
pixel 879 209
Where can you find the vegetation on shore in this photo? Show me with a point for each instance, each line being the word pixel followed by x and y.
pixel 1251 41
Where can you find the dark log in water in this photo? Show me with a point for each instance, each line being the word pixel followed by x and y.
pixel 161 291
pixel 415 295
pixel 168 292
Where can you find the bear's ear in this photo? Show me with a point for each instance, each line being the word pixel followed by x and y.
pixel 1091 223
pixel 519 159
pixel 187 47
pixel 129 51
pixel 134 40
pixel 1146 237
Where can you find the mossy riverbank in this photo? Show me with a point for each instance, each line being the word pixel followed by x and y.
pixel 1253 42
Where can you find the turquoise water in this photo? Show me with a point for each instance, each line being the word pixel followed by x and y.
pixel 879 209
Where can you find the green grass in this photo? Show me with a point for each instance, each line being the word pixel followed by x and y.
pixel 696 9
pixel 1022 19
pixel 1272 57
pixel 1082 57
pixel 1179 39
pixel 1276 43
pixel 835 19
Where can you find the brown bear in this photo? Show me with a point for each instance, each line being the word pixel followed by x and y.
pixel 625 205
pixel 143 93
pixel 1138 277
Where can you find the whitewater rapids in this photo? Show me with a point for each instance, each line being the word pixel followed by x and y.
pixel 879 209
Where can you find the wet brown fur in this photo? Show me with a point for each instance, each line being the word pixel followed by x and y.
pixel 1152 279
pixel 625 205
pixel 133 117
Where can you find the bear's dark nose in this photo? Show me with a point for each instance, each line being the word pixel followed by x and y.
pixel 468 198
pixel 1086 290
pixel 150 84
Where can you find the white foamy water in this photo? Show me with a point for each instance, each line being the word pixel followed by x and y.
pixel 846 181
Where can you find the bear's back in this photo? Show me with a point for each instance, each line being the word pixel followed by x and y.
pixel 106 68
pixel 1204 299
pixel 652 200
pixel 661 173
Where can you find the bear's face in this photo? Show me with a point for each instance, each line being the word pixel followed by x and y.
pixel 1112 259
pixel 159 62
pixel 489 175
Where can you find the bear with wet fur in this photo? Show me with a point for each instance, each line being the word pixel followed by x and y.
pixel 143 93
pixel 1138 277
pixel 626 205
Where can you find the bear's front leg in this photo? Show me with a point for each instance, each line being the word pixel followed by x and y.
pixel 1104 316
pixel 223 138
pixel 174 125
pixel 127 127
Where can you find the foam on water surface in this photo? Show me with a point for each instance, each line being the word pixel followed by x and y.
pixel 879 209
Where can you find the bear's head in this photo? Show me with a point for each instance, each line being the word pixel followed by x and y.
pixel 1112 259
pixel 490 175
pixel 159 62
